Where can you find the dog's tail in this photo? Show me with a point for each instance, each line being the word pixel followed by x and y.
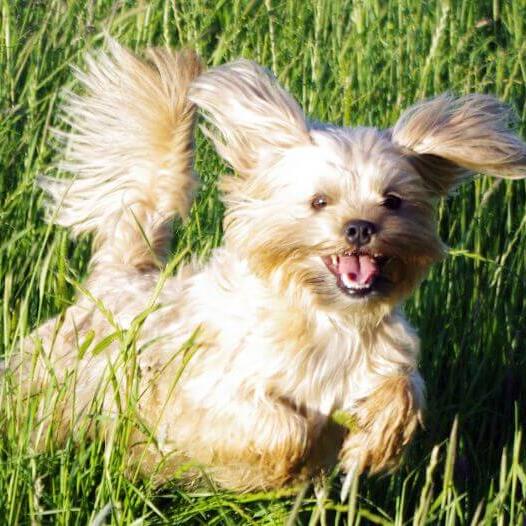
pixel 130 149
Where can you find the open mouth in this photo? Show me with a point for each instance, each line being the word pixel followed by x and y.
pixel 358 272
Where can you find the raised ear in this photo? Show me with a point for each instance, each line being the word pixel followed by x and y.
pixel 253 118
pixel 456 137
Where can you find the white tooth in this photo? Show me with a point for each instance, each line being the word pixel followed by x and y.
pixel 334 260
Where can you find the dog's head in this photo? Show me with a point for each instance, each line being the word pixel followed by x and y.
pixel 344 217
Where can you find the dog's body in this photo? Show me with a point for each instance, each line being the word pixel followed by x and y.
pixel 296 316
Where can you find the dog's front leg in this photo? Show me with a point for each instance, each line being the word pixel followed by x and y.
pixel 384 423
pixel 242 443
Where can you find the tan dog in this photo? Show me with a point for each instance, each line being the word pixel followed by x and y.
pixel 296 316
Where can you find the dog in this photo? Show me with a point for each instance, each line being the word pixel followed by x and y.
pixel 237 366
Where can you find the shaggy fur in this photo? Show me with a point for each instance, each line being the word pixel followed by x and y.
pixel 291 319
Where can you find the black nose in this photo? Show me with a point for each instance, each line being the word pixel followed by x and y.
pixel 359 232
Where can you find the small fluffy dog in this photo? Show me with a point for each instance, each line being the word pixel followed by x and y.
pixel 241 363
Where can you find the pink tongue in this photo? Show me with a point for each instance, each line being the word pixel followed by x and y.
pixel 361 269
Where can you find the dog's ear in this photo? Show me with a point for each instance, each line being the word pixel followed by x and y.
pixel 457 137
pixel 254 119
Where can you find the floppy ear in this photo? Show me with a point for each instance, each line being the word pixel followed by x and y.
pixel 456 137
pixel 253 118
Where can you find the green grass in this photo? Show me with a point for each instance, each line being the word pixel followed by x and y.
pixel 352 63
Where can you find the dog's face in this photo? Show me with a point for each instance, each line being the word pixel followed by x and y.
pixel 347 217
pixel 344 217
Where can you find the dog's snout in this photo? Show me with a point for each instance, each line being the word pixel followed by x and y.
pixel 359 232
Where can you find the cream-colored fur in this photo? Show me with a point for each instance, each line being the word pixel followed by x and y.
pixel 276 345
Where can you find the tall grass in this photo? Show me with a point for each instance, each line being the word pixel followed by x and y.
pixel 352 63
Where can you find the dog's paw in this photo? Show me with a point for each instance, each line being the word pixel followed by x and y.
pixel 385 423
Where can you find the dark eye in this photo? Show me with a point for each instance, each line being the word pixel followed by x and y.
pixel 319 201
pixel 392 202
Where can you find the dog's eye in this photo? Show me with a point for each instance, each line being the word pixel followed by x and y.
pixel 319 201
pixel 392 202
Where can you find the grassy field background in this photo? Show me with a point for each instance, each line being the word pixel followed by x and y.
pixel 351 63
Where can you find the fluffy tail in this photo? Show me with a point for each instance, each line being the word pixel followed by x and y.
pixel 130 150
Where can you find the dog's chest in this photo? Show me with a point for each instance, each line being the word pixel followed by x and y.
pixel 316 369
pixel 266 349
